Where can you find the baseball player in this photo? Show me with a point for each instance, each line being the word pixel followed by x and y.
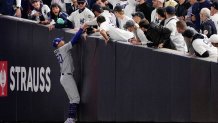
pixel 66 67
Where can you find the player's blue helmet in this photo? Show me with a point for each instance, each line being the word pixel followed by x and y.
pixel 56 41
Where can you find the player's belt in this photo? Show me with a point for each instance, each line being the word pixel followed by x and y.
pixel 66 73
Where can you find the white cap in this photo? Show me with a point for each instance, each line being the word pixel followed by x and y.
pixel 162 1
pixel 213 38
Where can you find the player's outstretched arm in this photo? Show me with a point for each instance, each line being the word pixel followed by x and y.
pixel 77 36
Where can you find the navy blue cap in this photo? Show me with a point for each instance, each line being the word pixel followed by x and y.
pixel 118 8
pixel 139 14
pixel 56 41
pixel 97 8
pixel 170 10
pixel 129 23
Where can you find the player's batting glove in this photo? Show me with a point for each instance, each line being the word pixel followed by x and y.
pixel 60 21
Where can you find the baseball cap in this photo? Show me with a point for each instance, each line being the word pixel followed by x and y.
pixel 215 5
pixel 129 23
pixel 56 41
pixel 170 10
pixel 213 38
pixel 97 8
pixel 139 14
pixel 118 8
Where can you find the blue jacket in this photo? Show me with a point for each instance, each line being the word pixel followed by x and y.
pixel 196 8
pixel 208 28
pixel 182 10
pixel 6 7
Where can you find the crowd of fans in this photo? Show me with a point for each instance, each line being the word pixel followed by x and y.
pixel 184 25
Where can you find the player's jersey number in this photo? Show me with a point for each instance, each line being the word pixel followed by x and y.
pixel 60 58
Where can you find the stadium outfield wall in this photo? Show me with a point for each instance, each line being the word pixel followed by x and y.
pixel 117 82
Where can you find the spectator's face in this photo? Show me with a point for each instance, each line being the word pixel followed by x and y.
pixel 155 3
pixel 181 1
pixel 203 17
pixel 180 30
pixel 36 5
pixel 105 3
pixel 131 29
pixel 61 43
pixel 99 3
pixel 137 19
pixel 81 5
pixel 96 13
pixel 212 11
pixel 192 1
pixel 74 2
pixel 117 14
pixel 55 10
pixel 159 17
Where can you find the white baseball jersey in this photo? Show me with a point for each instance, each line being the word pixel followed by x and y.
pixel 130 8
pixel 79 18
pixel 108 16
pixel 64 57
pixel 170 23
pixel 154 16
pixel 116 33
pixel 45 10
pixel 202 45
